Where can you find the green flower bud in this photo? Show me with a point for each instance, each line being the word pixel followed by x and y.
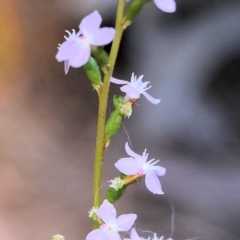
pixel 132 11
pixel 113 195
pixel 112 126
pixel 101 56
pixel 92 71
pixel 118 100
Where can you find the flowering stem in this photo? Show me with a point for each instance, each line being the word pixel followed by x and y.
pixel 103 98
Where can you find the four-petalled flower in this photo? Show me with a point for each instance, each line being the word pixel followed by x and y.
pixel 76 50
pixel 111 223
pixel 168 6
pixel 135 88
pixel 137 164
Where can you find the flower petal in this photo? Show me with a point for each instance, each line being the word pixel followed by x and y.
pixel 168 6
pixel 67 48
pixel 134 235
pixel 103 36
pixel 107 212
pixel 80 57
pixel 151 99
pixel 125 221
pixel 128 166
pixel 100 234
pixel 90 23
pixel 66 66
pixel 153 183
pixel 160 171
pixel 75 51
pixel 130 91
pixel 97 234
pixel 118 81
pixel 130 152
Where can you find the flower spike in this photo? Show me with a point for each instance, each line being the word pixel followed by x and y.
pixel 135 88
pixel 76 50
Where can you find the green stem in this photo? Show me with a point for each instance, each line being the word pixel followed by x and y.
pixel 103 99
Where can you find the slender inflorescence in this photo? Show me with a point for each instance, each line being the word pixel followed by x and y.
pixel 84 48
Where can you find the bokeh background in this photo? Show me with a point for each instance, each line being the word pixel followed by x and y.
pixel 48 120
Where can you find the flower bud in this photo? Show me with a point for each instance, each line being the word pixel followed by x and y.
pixel 92 71
pixel 132 11
pixel 101 57
pixel 112 126
pixel 113 195
pixel 118 100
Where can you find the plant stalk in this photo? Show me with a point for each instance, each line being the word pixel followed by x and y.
pixel 102 108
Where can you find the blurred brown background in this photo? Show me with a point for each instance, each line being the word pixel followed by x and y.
pixel 48 120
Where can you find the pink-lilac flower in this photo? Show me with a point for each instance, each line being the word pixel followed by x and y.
pixel 134 236
pixel 137 164
pixel 76 50
pixel 111 223
pixel 135 88
pixel 168 6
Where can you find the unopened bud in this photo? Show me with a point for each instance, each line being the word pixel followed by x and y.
pixel 112 126
pixel 132 11
pixel 101 58
pixel 113 195
pixel 92 71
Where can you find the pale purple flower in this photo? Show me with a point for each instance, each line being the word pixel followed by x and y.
pixel 168 6
pixel 134 236
pixel 135 88
pixel 76 50
pixel 111 224
pixel 137 164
